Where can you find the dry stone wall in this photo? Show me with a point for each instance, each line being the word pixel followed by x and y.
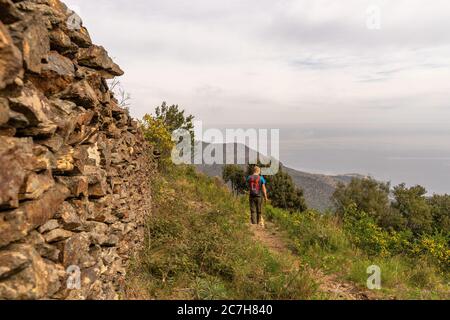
pixel 74 168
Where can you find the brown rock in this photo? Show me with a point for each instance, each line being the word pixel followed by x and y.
pixel 80 37
pixel 98 186
pixel 8 131
pixel 84 118
pixel 96 57
pixel 83 208
pixel 49 226
pixel 8 12
pixel 57 6
pixel 4 111
pixel 82 94
pixel 18 120
pixel 63 106
pixel 10 58
pixel 69 216
pixel 45 12
pixel 78 185
pixel 40 131
pixel 58 73
pixel 14 153
pixel 35 45
pixel 12 262
pixel 34 281
pixel 43 159
pixel 54 143
pixel 57 235
pixel 49 252
pixel 89 154
pixel 64 160
pixel 61 42
pixel 33 105
pixel 44 249
pixel 76 251
pixel 57 206
pixel 35 186
pixel 16 224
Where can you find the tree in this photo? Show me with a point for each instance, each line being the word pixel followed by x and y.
pixel 281 188
pixel 174 119
pixel 413 206
pixel 369 196
pixel 235 175
pixel 440 208
pixel 158 129
pixel 284 194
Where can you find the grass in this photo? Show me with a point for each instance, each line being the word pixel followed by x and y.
pixel 199 246
pixel 322 243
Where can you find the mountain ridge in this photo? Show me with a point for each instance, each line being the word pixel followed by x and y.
pixel 318 188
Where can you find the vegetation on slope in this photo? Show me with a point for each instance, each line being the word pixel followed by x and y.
pixel 347 248
pixel 199 246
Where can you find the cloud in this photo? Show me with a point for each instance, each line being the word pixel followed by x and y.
pixel 283 62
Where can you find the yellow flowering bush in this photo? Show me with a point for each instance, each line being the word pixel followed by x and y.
pixel 435 246
pixel 365 233
pixel 156 132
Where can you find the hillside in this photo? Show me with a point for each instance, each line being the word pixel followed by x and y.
pixel 200 245
pixel 318 188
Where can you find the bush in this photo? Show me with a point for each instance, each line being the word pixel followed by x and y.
pixel 434 246
pixel 410 268
pixel 367 195
pixel 440 207
pixel 284 194
pixel 156 132
pixel 412 204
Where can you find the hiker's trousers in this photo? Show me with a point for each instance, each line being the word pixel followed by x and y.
pixel 256 209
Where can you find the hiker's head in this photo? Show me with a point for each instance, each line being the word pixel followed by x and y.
pixel 256 170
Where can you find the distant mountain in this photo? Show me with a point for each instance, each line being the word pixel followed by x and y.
pixel 318 188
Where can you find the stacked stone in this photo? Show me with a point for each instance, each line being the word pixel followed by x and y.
pixel 74 167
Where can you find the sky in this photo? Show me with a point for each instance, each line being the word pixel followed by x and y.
pixel 328 73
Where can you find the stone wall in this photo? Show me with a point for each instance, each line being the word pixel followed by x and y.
pixel 74 168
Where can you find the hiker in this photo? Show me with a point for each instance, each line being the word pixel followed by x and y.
pixel 257 188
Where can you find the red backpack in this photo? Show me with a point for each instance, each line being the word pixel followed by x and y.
pixel 255 186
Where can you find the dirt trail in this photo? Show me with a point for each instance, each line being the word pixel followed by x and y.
pixel 335 289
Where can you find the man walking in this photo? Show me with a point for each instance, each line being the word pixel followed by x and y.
pixel 257 188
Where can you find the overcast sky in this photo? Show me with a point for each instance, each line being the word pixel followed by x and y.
pixel 282 62
pixel 346 97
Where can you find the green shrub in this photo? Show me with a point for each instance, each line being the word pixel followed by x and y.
pixel 434 246
pixel 411 268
